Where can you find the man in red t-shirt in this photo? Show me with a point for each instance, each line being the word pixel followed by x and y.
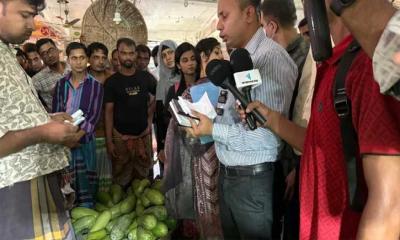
pixel 324 204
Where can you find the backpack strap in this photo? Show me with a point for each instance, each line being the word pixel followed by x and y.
pixel 342 106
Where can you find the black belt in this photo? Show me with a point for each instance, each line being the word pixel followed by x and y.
pixel 251 170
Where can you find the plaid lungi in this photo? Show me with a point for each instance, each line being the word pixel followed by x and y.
pixel 134 158
pixel 34 210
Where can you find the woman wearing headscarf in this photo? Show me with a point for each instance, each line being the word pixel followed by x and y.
pixel 167 78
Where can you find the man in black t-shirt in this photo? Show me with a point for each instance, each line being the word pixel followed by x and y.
pixel 129 101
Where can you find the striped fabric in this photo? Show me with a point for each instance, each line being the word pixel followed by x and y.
pixel 82 170
pixel 88 97
pixel 38 215
pixel 235 144
pixel 134 159
pixel 103 166
pixel 206 172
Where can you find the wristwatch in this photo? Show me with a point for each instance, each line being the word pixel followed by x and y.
pixel 337 6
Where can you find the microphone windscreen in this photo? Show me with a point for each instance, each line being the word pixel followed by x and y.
pixel 241 60
pixel 218 71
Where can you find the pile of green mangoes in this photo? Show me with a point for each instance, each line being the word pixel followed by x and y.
pixel 137 214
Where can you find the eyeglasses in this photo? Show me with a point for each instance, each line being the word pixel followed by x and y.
pixel 223 96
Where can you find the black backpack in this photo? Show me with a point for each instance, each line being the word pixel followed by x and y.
pixel 342 106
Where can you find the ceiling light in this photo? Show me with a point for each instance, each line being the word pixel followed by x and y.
pixel 117 18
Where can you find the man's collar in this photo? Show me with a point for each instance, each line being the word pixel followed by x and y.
pixel 255 41
pixel 7 46
pixel 339 50
pixel 68 77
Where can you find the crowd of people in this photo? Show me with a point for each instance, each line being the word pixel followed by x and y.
pixel 325 165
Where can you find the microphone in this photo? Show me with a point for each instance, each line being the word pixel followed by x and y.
pixel 242 66
pixel 315 11
pixel 220 74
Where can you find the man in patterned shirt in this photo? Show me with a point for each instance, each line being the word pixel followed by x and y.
pixel 46 79
pixel 31 151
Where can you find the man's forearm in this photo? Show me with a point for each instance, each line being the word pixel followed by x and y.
pixel 366 20
pixel 15 141
pixel 287 130
pixel 381 215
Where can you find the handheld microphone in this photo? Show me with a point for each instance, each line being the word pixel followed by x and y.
pixel 321 45
pixel 242 65
pixel 220 74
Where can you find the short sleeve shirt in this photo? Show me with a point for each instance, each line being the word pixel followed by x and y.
pixel 324 207
pixel 130 95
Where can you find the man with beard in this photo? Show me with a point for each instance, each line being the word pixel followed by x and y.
pixel 128 117
pixel 35 63
pixel 45 80
pixel 31 151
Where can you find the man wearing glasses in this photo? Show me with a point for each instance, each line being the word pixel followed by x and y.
pixel 45 80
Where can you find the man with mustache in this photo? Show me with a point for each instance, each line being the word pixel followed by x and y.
pixel 45 80
pixel 128 117
pixel 97 53
pixel 35 63
pixel 31 141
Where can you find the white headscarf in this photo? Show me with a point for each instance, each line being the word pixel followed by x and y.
pixel 167 77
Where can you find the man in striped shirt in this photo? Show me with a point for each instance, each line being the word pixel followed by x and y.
pixel 80 90
pixel 248 157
